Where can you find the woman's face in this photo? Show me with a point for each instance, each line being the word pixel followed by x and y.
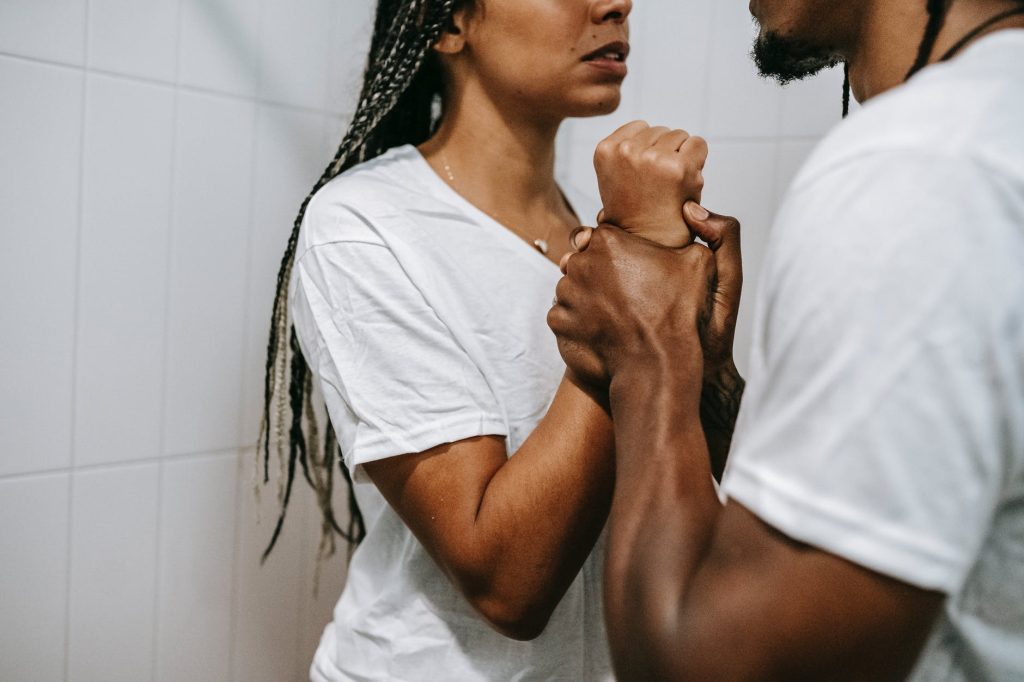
pixel 558 58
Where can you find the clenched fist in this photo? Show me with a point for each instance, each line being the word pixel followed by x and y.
pixel 645 175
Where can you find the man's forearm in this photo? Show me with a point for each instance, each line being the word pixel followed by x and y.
pixel 663 482
pixel 719 406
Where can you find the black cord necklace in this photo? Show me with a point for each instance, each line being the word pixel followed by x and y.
pixel 981 28
pixel 949 54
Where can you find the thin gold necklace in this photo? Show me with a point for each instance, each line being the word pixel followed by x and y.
pixel 542 245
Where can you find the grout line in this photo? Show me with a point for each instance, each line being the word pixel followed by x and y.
pixel 165 348
pixel 75 334
pixel 105 466
pixel 181 87
pixel 244 350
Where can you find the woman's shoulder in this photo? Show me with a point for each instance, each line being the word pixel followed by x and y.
pixel 355 205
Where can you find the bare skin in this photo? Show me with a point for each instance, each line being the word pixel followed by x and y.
pixel 513 532
pixel 695 589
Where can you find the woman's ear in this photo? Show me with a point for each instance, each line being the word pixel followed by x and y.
pixel 453 39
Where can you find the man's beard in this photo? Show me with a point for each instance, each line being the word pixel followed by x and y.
pixel 790 59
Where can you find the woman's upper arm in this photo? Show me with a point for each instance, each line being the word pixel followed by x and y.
pixel 437 494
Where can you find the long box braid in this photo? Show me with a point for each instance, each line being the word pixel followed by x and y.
pixel 400 85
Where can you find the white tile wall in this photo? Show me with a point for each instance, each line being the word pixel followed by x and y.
pixel 113 573
pixel 740 103
pixel 197 555
pixel 33 598
pixel 351 27
pixel 268 608
pixel 740 181
pixel 674 73
pixel 139 278
pixel 295 48
pixel 220 45
pixel 129 133
pixel 40 134
pixel 136 38
pixel 206 309
pixel 813 106
pixel 52 30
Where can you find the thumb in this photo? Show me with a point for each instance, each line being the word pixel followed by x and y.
pixel 722 234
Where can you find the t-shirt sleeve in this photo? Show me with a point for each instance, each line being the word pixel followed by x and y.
pixel 395 379
pixel 888 357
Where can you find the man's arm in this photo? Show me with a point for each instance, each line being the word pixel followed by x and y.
pixel 716 593
pixel 694 590
pixel 511 532
pixel 719 405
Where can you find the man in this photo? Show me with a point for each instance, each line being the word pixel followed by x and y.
pixel 873 526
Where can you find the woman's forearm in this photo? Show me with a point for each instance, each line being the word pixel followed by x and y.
pixel 541 513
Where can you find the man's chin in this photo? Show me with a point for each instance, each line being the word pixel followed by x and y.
pixel 790 59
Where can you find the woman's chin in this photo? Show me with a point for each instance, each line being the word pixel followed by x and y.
pixel 598 107
pixel 593 101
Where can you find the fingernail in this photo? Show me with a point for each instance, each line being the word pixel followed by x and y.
pixel 697 212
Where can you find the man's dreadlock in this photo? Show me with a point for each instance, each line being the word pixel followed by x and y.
pixel 936 19
pixel 400 85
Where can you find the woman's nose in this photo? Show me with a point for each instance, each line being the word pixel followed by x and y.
pixel 611 10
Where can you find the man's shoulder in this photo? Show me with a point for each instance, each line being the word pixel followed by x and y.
pixel 968 110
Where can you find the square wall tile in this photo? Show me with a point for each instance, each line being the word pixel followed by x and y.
pixel 351 26
pixel 267 613
pixel 792 155
pixel 44 29
pixel 210 233
pixel 197 547
pixel 290 155
pixel 220 45
pixel 740 181
pixel 740 103
pixel 113 573
pixel 675 39
pixel 40 134
pixel 813 106
pixel 122 280
pixel 324 580
pixel 132 37
pixel 33 582
pixel 295 48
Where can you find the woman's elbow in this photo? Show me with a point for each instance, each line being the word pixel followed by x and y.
pixel 515 617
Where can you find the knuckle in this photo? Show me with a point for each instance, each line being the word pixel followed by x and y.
pixel 650 156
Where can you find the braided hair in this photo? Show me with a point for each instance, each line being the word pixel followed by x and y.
pixel 401 84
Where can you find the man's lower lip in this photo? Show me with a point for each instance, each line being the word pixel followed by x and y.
pixel 611 65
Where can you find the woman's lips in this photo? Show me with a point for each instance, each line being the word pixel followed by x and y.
pixel 615 66
pixel 610 57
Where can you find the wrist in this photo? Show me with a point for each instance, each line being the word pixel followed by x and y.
pixel 666 230
pixel 639 379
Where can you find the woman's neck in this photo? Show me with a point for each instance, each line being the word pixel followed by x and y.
pixel 500 159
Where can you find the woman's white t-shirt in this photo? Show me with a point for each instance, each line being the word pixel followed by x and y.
pixel 424 321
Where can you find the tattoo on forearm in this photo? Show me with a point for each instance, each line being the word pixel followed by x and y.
pixel 720 401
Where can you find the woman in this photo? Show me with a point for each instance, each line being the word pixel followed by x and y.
pixel 418 282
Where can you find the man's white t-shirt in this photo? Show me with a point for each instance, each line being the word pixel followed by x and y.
pixel 883 420
pixel 424 322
